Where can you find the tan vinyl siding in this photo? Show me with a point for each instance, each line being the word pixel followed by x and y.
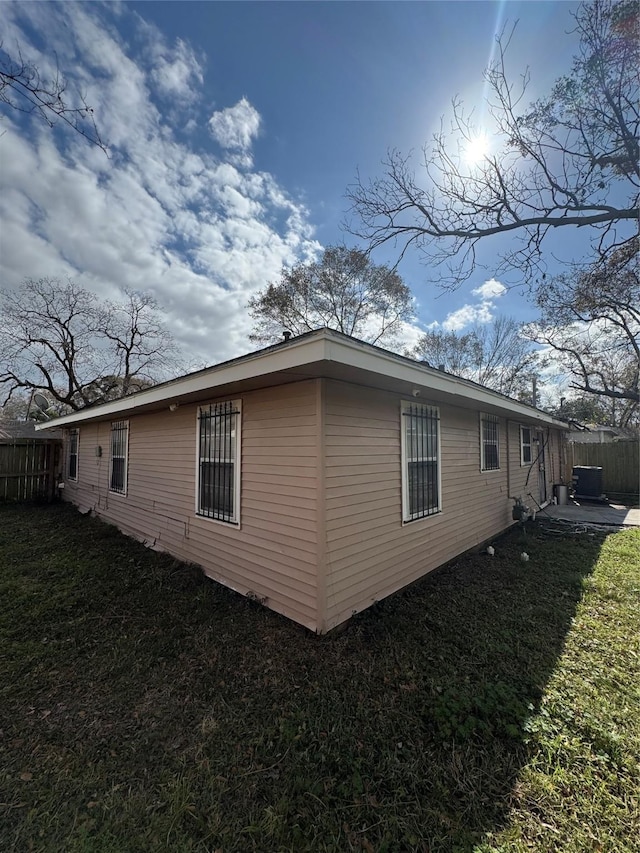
pixel 273 553
pixel 520 486
pixel 84 492
pixel 555 457
pixel 370 552
pixel 525 480
pixel 321 531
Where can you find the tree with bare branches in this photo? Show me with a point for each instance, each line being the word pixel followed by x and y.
pixel 495 354
pixel 569 160
pixel 591 321
pixel 62 340
pixel 24 88
pixel 139 340
pixel 343 291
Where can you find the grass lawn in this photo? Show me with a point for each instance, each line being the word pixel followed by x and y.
pixel 494 706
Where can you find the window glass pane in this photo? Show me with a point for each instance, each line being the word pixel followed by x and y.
pixel 218 447
pixel 73 456
pixel 525 444
pixel 490 456
pixel 117 474
pixel 217 489
pixel 489 437
pixel 422 487
pixel 119 438
pixel 420 474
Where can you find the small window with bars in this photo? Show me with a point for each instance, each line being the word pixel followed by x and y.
pixel 72 459
pixel 526 440
pixel 420 440
pixel 118 457
pixel 218 462
pixel 489 440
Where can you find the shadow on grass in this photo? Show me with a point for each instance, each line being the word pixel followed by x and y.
pixel 144 708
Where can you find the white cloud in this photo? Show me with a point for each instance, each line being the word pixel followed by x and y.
pixel 480 312
pixel 177 71
pixel 235 127
pixel 491 289
pixel 409 337
pixel 162 214
pixel 467 315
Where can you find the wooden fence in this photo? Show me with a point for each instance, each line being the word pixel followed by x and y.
pixel 28 469
pixel 620 463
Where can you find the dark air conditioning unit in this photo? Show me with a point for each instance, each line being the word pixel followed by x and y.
pixel 587 482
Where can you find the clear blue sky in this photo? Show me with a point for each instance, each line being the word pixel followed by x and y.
pixel 235 129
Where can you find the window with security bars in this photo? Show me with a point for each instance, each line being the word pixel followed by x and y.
pixel 420 461
pixel 489 441
pixel 218 464
pixel 72 466
pixel 118 457
pixel 526 440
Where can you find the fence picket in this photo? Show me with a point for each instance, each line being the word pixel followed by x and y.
pixel 620 463
pixel 27 470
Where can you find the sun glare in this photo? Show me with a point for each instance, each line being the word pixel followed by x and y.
pixel 476 149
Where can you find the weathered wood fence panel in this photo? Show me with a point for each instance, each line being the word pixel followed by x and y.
pixel 620 463
pixel 27 470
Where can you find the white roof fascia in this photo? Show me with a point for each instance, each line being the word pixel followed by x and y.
pixel 322 345
pixel 246 367
pixel 401 369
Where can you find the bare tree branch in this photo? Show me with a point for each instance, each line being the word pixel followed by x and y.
pixel 496 355
pixel 23 88
pixel 62 340
pixel 592 321
pixel 570 160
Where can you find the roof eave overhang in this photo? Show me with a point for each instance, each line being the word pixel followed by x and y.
pixel 321 353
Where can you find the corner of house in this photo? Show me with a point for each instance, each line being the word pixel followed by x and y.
pixel 321 515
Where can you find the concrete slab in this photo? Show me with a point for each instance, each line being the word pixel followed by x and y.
pixel 588 512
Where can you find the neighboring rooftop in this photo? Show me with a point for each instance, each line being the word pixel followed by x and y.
pixel 16 430
pixel 601 434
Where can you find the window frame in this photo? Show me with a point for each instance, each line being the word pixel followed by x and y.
pixel 73 434
pixel 233 521
pixel 523 444
pixel 420 515
pixel 487 418
pixel 118 427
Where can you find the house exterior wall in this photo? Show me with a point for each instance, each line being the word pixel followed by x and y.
pixel 528 481
pixel 370 553
pixel 321 533
pixel 273 552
